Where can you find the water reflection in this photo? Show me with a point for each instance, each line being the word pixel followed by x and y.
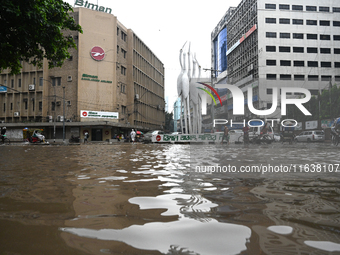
pixel 147 199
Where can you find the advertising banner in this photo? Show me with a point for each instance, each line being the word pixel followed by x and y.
pixel 96 114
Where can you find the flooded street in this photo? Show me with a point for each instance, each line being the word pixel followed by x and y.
pixel 167 199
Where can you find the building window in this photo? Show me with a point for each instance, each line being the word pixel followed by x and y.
pixel 34 80
pixel 297 7
pixel 336 37
pixel 323 9
pixel 271 48
pixel 4 107
pixel 299 63
pixel 271 20
pixel 124 53
pixel 285 35
pixel 312 36
pixel 336 50
pixel 117 31
pixel 19 83
pixel 40 105
pixel 297 21
pixel 311 8
pixel 123 109
pixel 297 36
pixel 311 22
pixel 284 21
pixel 123 70
pixel 12 83
pixel 271 76
pixel 314 92
pixel 285 77
pixel 299 77
pixel 271 34
pixel 123 36
pixel 122 88
pixel 325 50
pixel 284 6
pixel 325 37
pixel 56 81
pixel 284 49
pixel 269 91
pixel 336 23
pixel 298 49
pixel 53 106
pixel 313 78
pixel 336 9
pixel 337 78
pixel 270 6
pixel 285 63
pixel 117 49
pixel 337 64
pixel 41 81
pixel 324 23
pixel 271 62
pixel 312 50
pixel 26 105
pixel 313 63
pixel 326 78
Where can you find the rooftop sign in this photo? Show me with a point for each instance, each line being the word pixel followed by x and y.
pixel 94 7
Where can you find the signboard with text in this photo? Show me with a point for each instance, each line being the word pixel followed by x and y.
pixel 96 114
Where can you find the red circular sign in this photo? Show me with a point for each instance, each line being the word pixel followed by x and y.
pixel 158 138
pixel 97 53
pixel 106 132
pixel 84 114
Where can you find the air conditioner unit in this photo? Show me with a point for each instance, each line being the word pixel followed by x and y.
pixel 69 78
pixel 16 114
pixel 60 118
pixel 50 118
pixel 58 103
pixel 31 87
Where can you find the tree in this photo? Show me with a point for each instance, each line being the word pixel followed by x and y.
pixel 169 122
pixel 33 30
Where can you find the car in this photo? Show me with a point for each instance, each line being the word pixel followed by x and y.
pixel 253 131
pixel 311 136
pixel 148 136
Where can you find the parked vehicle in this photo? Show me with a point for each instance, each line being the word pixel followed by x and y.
pixel 148 136
pixel 74 139
pixel 311 136
pixel 256 131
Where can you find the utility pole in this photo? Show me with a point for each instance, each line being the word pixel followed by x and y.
pixel 63 113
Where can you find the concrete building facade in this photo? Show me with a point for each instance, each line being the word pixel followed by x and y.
pixel 271 44
pixel 113 82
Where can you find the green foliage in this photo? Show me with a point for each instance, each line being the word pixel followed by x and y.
pixel 33 30
pixel 169 122
pixel 323 106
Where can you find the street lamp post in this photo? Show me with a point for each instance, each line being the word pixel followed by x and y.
pixel 63 113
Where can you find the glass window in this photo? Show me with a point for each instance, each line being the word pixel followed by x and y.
pixel 271 62
pixel 270 6
pixel 312 50
pixel 285 63
pixel 284 21
pixel 270 48
pixel 299 63
pixel 325 50
pixel 337 78
pixel 41 81
pixel 298 49
pixel 336 50
pixel 313 78
pixel 297 21
pixel 311 8
pixel 271 76
pixel 297 7
pixel 284 49
pixel 12 83
pixel 299 77
pixel 297 36
pixel 271 34
pixel 269 91
pixel 325 37
pixel 40 105
pixel 271 20
pixel 19 83
pixel 313 63
pixel 326 77
pixel 336 23
pixel 324 22
pixel 323 9
pixel 337 64
pixel 285 35
pixel 285 77
pixel 311 22
pixel 336 9
pixel 336 37
pixel 312 36
pixel 284 6
pixel 56 81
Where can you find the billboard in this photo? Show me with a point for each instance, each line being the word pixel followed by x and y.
pixel 99 115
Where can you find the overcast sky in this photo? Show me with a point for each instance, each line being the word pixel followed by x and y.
pixel 164 26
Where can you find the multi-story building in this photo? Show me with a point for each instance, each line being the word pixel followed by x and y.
pixel 271 44
pixel 113 82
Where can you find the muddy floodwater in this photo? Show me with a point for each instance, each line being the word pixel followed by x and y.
pixel 170 199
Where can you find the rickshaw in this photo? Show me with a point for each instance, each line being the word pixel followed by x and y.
pixel 287 134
